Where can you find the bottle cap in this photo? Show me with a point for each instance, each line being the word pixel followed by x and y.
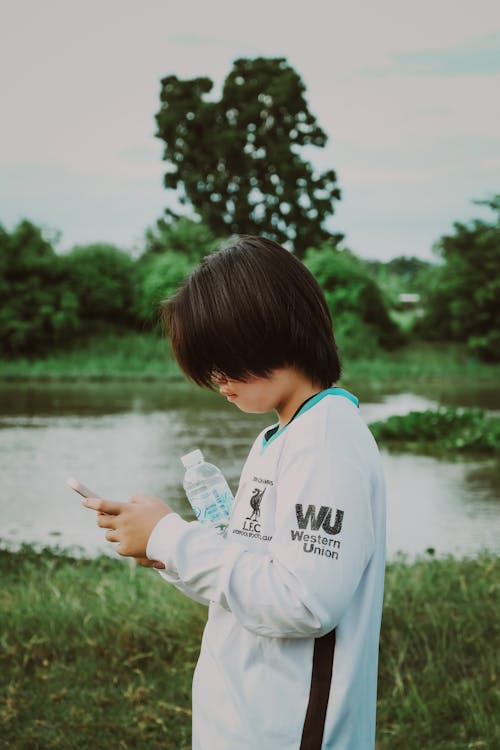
pixel 190 459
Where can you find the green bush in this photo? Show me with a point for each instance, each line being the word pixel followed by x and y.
pixel 159 277
pixel 462 301
pixel 103 279
pixel 39 309
pixel 360 317
pixel 452 429
pixel 172 249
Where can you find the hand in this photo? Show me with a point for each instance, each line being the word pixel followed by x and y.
pixel 130 524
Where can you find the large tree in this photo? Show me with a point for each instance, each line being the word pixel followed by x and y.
pixel 238 160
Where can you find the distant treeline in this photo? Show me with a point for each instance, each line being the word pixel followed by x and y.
pixel 50 299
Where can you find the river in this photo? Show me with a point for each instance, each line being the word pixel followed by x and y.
pixel 125 438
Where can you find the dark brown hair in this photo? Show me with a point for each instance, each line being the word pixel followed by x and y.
pixel 249 308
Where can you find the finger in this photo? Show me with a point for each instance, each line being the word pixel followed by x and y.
pixel 106 521
pixel 112 536
pixel 144 500
pixel 147 563
pixel 110 507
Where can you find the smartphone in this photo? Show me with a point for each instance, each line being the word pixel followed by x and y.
pixel 80 488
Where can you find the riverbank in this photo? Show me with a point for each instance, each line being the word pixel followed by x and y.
pixel 131 356
pixel 136 356
pixel 98 654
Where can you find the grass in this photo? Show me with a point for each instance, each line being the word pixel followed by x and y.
pixel 421 362
pixel 96 654
pixel 147 356
pixel 438 678
pixel 131 356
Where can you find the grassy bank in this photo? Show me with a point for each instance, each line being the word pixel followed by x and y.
pixel 98 655
pixel 108 357
pixel 135 356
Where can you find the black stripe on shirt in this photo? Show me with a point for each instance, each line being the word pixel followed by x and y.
pixel 321 678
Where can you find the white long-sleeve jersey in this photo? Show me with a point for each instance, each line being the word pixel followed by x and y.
pixel 289 654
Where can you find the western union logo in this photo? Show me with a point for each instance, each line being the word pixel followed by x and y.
pixel 321 519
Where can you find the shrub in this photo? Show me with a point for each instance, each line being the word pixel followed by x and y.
pixel 360 316
pixel 38 309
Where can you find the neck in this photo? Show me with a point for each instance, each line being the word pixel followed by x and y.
pixel 293 399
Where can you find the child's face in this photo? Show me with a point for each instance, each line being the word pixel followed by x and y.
pixel 259 394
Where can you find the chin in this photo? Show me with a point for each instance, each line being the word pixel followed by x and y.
pixel 250 409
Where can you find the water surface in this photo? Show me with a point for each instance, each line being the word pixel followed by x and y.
pixel 125 438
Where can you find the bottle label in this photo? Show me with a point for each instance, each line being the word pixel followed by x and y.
pixel 214 505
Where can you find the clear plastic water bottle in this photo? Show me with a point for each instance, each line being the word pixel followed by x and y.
pixel 207 491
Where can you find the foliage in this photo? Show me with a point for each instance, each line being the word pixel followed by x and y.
pixel 457 430
pixel 38 308
pixel 183 235
pixel 360 318
pixel 463 299
pixel 160 276
pixel 238 160
pixel 400 275
pixel 103 278
pixel 101 654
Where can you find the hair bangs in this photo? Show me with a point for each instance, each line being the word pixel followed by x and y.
pixel 207 332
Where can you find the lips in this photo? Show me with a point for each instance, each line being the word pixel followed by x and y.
pixel 226 393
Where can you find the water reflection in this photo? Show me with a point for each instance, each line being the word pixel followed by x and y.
pixel 471 394
pixel 430 504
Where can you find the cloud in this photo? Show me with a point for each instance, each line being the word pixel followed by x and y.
pixel 476 57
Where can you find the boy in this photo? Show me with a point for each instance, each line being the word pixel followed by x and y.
pixel 289 655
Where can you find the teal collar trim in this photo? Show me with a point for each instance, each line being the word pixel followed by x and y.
pixel 308 405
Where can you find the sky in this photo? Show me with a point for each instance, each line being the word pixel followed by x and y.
pixel 407 92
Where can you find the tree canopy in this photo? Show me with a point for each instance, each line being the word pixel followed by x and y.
pixel 190 238
pixel 237 160
pixel 399 275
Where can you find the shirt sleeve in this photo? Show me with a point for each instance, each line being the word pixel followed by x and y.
pixel 322 543
pixel 174 579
